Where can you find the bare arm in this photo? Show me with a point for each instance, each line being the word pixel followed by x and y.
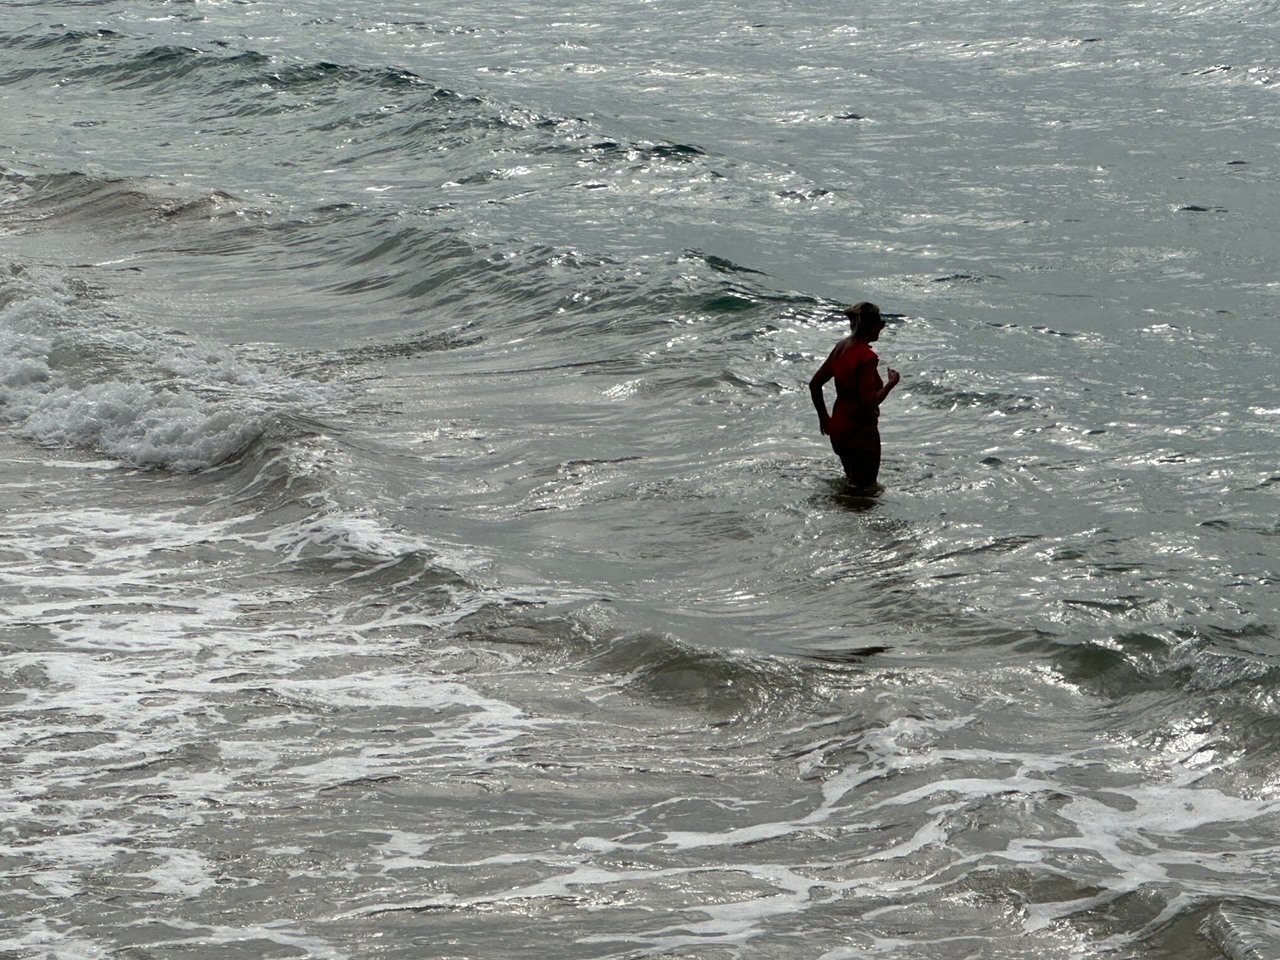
pixel 892 382
pixel 871 390
pixel 815 392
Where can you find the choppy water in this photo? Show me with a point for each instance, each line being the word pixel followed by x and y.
pixel 418 542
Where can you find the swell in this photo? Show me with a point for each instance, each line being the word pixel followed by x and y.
pixel 712 686
pixel 107 205
pixel 248 95
pixel 1209 697
pixel 400 284
pixel 113 59
pixel 456 251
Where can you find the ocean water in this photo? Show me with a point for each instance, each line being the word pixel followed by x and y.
pixel 418 542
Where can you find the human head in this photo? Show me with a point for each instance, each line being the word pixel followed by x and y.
pixel 865 320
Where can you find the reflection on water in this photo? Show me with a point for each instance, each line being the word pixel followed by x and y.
pixel 417 536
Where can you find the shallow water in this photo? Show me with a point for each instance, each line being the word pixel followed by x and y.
pixel 418 540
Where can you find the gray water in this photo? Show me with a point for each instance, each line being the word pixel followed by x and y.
pixel 417 536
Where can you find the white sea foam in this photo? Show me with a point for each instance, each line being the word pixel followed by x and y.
pixel 138 662
pixel 75 373
pixel 184 873
pixel 280 933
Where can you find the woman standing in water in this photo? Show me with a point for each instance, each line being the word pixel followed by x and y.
pixel 853 424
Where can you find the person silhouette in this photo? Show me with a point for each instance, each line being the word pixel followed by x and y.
pixel 853 424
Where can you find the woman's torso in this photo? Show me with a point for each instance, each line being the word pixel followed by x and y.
pixel 853 369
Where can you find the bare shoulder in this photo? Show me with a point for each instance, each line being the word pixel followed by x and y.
pixel 841 347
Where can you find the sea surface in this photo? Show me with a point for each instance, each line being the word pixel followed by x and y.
pixel 416 539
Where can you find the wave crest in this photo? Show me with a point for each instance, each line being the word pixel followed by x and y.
pixel 74 373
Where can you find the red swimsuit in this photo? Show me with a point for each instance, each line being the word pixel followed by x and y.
pixel 853 424
pixel 852 413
